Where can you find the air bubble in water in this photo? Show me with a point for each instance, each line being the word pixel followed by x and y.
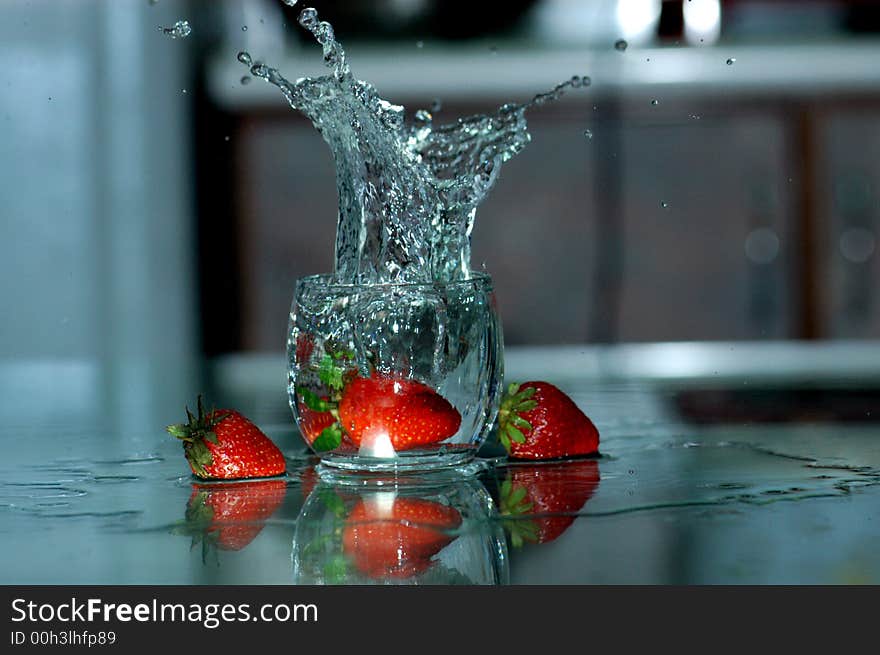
pixel 655 102
pixel 420 44
pixel 588 134
pixel 245 58
pixel 290 3
pixel 731 61
pixel 436 105
pixel 621 45
pixel 246 79
pixel 244 28
pixel 664 204
pixel 180 30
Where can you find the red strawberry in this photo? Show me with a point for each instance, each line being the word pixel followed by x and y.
pixel 538 421
pixel 397 539
pixel 410 413
pixel 312 423
pixel 230 516
pixel 544 499
pixel 223 444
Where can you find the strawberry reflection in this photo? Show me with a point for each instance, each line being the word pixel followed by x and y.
pixel 404 532
pixel 539 501
pixel 229 515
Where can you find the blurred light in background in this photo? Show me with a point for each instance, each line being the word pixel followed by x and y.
pixel 702 21
pixel 638 19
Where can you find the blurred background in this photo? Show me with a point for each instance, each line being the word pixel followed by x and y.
pixel 718 181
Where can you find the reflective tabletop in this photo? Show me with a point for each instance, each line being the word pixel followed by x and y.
pixel 719 464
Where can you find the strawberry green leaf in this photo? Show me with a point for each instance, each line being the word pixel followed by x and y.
pixel 212 437
pixel 512 389
pixel 505 488
pixel 526 406
pixel 504 439
pixel 330 374
pixel 333 502
pixel 520 422
pixel 336 570
pixel 178 430
pixel 313 401
pixel 514 433
pixel 329 439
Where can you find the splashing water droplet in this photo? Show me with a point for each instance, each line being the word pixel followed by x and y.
pixel 731 61
pixel 408 193
pixel 621 45
pixel 180 30
pixel 308 17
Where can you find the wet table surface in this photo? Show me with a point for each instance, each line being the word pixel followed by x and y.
pixel 719 464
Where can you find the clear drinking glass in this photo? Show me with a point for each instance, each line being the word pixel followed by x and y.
pixel 394 377
pixel 406 532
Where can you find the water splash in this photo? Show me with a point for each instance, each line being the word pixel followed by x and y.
pixel 408 193
pixel 180 30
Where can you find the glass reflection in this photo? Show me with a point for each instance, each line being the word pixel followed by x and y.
pixel 409 532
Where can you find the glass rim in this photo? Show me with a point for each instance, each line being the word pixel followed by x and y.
pixel 325 281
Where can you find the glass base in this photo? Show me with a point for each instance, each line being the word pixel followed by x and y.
pixel 340 469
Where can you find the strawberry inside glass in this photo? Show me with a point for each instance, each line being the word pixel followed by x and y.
pixel 394 376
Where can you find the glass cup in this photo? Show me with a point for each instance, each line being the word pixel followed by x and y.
pixel 405 532
pixel 396 377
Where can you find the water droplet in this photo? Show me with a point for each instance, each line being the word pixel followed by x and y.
pixel 664 204
pixel 183 90
pixel 731 61
pixel 588 134
pixel 695 117
pixel 655 102
pixel 246 79
pixel 586 80
pixel 420 44
pixel 620 45
pixel 245 58
pixel 244 28
pixel 180 30
pixel 308 17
